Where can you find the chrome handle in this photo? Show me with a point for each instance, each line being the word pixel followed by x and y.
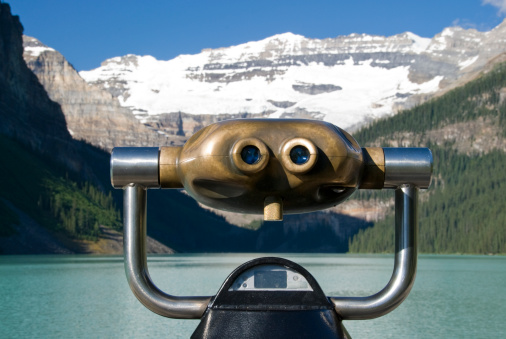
pixel 135 170
pixel 403 277
pixel 406 170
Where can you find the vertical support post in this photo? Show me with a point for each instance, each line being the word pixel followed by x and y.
pixel 136 268
pixel 403 276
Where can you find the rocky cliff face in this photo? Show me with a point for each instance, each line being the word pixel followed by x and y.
pixel 26 112
pixel 91 113
pixel 48 151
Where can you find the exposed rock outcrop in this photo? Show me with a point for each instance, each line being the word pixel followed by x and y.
pixel 27 114
pixel 91 113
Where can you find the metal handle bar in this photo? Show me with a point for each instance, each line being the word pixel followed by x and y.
pixel 136 267
pixel 403 276
pixel 135 169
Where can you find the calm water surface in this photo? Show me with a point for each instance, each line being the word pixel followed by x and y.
pixel 88 296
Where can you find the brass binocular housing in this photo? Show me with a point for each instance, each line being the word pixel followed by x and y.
pixel 271 166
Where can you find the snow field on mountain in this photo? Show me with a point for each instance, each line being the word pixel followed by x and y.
pixel 346 80
pixel 35 51
pixel 158 87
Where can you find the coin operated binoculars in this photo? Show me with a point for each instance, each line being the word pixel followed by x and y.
pixel 271 167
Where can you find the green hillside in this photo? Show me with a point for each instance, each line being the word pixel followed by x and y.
pixel 54 198
pixel 464 209
pixel 64 203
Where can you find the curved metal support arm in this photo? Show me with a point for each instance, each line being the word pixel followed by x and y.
pixel 136 267
pixel 403 277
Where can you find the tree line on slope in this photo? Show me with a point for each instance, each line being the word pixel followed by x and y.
pixel 463 211
pixel 57 200
pixel 80 208
pixel 478 98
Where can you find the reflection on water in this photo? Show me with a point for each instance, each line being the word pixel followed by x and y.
pixel 88 296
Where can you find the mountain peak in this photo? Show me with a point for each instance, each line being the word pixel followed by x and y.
pixel 286 36
pixel 126 60
pixel 419 44
pixel 34 47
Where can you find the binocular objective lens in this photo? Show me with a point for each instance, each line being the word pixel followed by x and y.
pixel 250 155
pixel 299 155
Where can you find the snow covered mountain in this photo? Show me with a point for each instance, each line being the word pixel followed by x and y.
pixel 346 80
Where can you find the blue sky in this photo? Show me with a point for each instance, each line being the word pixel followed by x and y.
pixel 88 32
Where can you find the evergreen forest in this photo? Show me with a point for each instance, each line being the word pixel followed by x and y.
pixel 464 209
pixel 58 200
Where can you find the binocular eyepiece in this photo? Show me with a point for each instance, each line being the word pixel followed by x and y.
pixel 271 166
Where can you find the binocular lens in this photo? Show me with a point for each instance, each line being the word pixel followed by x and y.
pixel 299 155
pixel 250 155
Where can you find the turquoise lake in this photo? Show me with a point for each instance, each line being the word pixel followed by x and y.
pixel 88 296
